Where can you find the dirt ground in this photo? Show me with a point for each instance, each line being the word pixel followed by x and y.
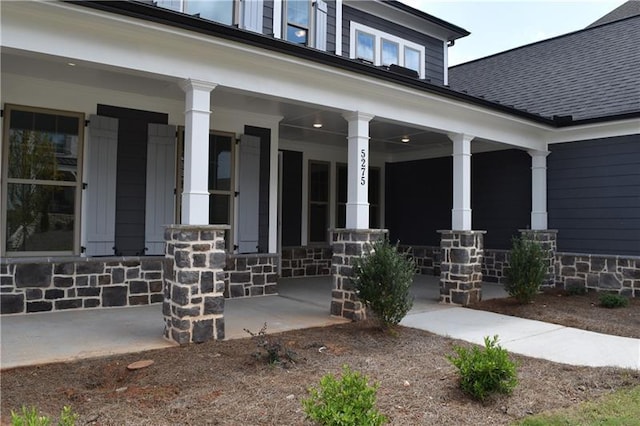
pixel 221 383
pixel 579 311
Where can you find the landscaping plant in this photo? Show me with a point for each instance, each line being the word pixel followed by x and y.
pixel 485 371
pixel 347 401
pixel 271 349
pixel 382 280
pixel 30 417
pixel 608 300
pixel 526 271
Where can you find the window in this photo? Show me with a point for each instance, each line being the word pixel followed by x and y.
pixel 318 201
pixel 42 171
pixel 298 19
pixel 390 53
pixel 221 11
pixel 385 49
pixel 341 196
pixel 365 46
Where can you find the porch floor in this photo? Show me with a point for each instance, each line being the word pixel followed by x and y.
pixel 62 336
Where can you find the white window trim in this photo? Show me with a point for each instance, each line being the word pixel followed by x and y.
pixel 379 35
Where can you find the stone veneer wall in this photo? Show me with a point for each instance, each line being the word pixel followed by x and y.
pixel 494 264
pixel 619 274
pixel 461 266
pixel 427 258
pixel 349 244
pixel 306 261
pixel 193 305
pixel 249 275
pixel 52 284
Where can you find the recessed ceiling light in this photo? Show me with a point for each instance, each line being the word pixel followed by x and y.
pixel 405 139
pixel 71 64
pixel 317 125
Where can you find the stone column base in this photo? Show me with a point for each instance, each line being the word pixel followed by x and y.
pixel 548 239
pixel 461 267
pixel 348 244
pixel 193 306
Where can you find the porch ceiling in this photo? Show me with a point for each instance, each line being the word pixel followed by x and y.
pixel 296 125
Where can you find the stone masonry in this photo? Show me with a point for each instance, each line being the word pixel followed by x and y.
pixel 306 261
pixel 494 264
pixel 193 306
pixel 548 240
pixel 248 275
pixel 427 258
pixel 349 244
pixel 461 266
pixel 30 285
pixel 616 274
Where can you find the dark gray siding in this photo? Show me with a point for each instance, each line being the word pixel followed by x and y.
pixel 267 19
pixel 434 49
pixel 419 197
pixel 594 195
pixel 331 25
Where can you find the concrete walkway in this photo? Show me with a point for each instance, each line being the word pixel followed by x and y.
pixel 64 336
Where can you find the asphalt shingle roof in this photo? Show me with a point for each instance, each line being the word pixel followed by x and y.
pixel 592 73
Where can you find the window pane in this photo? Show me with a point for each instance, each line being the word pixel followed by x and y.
pixel 318 222
pixel 219 209
pixel 43 155
pixel 412 59
pixel 318 182
pixel 220 162
pixel 40 217
pixel 390 52
pixel 341 178
pixel 296 34
pixel 341 212
pixel 218 10
pixel 374 186
pixel 298 13
pixel 169 4
pixel 365 46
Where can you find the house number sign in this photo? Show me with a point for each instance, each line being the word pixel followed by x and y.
pixel 363 167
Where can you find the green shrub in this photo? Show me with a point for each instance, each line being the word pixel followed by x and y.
pixel 348 401
pixel 30 417
pixel 271 349
pixel 382 280
pixel 608 300
pixel 526 271
pixel 487 371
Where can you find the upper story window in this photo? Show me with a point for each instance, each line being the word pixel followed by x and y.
pixel 298 15
pixel 381 48
pixel 221 11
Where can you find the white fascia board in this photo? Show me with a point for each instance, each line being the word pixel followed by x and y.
pixel 132 45
pixel 595 131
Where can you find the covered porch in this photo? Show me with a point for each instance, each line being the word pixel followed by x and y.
pixel 301 303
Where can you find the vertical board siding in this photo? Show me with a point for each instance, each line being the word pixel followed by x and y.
pixel 160 207
pixel 249 187
pixel 101 189
pixel 331 25
pixel 419 197
pixel 434 53
pixel 594 195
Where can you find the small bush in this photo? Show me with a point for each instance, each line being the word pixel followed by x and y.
pixel 348 401
pixel 526 270
pixel 611 301
pixel 487 371
pixel 271 349
pixel 383 280
pixel 30 417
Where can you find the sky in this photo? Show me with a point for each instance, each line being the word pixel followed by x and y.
pixel 496 26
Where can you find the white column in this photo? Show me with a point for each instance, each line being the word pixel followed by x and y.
pixel 538 189
pixel 195 195
pixel 461 212
pixel 358 170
